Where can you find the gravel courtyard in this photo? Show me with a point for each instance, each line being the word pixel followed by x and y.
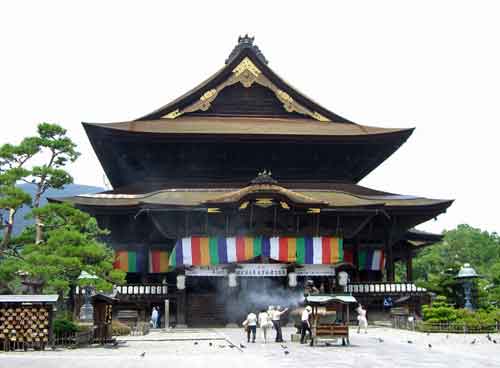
pixel 381 347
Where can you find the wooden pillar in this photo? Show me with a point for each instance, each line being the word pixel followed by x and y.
pixel 181 308
pixel 389 259
pixel 409 264
pixel 355 260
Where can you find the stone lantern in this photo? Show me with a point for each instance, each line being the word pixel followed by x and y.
pixel 466 277
pixel 87 310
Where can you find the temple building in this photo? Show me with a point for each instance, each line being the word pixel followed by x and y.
pixel 244 186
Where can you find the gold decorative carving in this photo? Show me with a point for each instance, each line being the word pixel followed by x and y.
pixel 319 117
pixel 247 73
pixel 173 114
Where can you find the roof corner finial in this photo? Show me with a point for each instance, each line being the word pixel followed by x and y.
pixel 246 42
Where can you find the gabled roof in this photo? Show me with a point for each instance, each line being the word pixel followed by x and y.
pixel 246 65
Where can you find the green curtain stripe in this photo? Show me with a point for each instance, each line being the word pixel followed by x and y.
pixel 301 250
pixel 341 250
pixel 132 262
pixel 362 259
pixel 214 253
pixel 257 246
pixel 171 261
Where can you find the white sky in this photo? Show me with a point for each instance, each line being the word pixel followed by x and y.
pixel 433 65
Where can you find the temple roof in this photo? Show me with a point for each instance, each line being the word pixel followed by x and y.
pixel 197 197
pixel 245 67
pixel 249 126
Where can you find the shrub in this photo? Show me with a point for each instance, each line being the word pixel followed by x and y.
pixel 64 326
pixel 119 329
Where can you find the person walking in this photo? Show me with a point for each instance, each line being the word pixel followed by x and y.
pixel 306 325
pixel 265 324
pixel 250 325
pixel 276 314
pixel 154 317
pixel 362 321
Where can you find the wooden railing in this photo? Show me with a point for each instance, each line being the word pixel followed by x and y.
pixel 365 288
pixel 137 290
pixel 142 289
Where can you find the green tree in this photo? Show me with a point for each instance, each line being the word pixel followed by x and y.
pixel 70 245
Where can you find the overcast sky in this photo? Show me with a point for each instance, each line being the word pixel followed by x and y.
pixel 433 65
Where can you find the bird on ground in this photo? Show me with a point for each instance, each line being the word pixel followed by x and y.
pixel 210 344
pixel 428 334
pixel 232 346
pixel 242 346
pixel 196 342
pixel 473 341
pixel 328 344
pixel 222 346
pixel 286 352
pixel 447 336
pixel 143 353
pixel 115 343
pixel 410 342
pixel 494 341
pixel 53 347
pixel 284 346
pixel 380 340
pixel 488 337
pixel 430 346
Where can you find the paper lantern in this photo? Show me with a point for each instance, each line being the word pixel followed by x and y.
pixel 233 281
pixel 181 282
pixel 292 279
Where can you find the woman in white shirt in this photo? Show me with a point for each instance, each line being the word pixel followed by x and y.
pixel 362 321
pixel 265 323
pixel 250 325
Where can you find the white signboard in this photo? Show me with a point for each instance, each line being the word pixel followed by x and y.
pixel 315 270
pixel 261 270
pixel 242 270
pixel 214 271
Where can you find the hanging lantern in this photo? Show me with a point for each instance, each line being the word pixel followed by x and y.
pixel 233 281
pixel 292 279
pixel 181 282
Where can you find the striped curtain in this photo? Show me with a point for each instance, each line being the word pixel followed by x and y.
pixel 128 261
pixel 204 251
pixel 158 261
pixel 371 259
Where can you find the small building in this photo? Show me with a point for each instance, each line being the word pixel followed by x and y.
pixel 245 186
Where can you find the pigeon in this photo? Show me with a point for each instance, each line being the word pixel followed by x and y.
pixel 473 342
pixel 430 346
pixel 232 346
pixel 494 341
pixel 53 347
pixel 210 344
pixel 488 337
pixel 222 346
pixel 242 346
pixel 380 340
pixel 328 344
pixel 115 343
pixel 447 336
pixel 196 342
pixel 143 353
pixel 284 346
pixel 286 352
pixel 428 334
pixel 410 342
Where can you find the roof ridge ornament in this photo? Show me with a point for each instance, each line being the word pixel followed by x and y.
pixel 246 42
pixel 264 177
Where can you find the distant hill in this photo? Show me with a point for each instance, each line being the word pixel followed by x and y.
pixel 69 190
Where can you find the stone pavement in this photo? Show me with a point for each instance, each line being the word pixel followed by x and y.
pixel 191 348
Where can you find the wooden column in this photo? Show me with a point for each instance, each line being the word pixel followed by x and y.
pixel 409 264
pixel 355 260
pixel 389 259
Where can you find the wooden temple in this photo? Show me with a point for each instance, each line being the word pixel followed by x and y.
pixel 245 183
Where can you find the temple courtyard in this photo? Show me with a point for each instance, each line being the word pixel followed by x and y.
pixel 380 347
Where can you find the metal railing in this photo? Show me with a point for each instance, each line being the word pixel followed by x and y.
pixel 383 288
